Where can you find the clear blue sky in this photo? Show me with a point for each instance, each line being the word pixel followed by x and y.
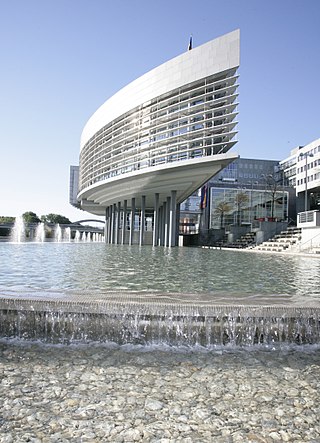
pixel 61 59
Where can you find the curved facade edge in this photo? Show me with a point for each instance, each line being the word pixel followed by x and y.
pixel 184 177
pixel 210 58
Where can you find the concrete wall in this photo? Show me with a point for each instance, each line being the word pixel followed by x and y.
pixel 310 238
pixel 268 230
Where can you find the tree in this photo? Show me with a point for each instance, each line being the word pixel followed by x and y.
pixel 240 200
pixel 55 219
pixel 272 186
pixel 222 208
pixel 5 219
pixel 30 217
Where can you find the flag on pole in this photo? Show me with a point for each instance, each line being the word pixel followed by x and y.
pixel 190 43
pixel 204 197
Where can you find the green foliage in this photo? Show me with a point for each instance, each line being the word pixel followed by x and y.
pixel 5 219
pixel 30 217
pixel 55 218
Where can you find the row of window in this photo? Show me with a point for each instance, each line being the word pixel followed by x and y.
pixel 115 145
pixel 291 162
pixel 168 129
pixel 310 178
pixel 310 165
pixel 250 166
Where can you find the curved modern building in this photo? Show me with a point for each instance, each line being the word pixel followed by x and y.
pixel 158 140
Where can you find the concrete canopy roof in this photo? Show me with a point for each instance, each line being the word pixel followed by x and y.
pixel 184 177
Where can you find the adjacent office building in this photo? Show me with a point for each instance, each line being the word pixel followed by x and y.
pixel 245 193
pixel 159 139
pixel 302 170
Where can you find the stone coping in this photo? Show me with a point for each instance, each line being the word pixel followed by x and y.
pixel 154 304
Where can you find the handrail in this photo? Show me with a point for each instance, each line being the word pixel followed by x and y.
pixel 308 241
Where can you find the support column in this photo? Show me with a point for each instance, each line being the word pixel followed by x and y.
pixel 178 225
pixel 133 210
pixel 167 222
pixel 113 208
pixel 173 219
pixel 124 222
pixel 116 238
pixel 163 227
pixel 155 219
pixel 106 226
pixel 109 224
pixel 142 219
pixel 160 234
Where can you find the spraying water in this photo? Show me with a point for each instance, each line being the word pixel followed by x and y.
pixel 58 233
pixel 18 234
pixel 67 235
pixel 40 233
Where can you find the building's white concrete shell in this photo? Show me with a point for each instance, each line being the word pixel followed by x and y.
pixel 169 130
pixel 215 56
pixel 302 170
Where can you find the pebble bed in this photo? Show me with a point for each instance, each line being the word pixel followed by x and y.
pixel 132 394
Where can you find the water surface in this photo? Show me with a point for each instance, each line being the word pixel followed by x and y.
pixel 96 268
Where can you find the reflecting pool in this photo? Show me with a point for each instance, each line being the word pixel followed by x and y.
pixel 222 276
pixel 111 392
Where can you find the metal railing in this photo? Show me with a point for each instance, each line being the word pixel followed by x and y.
pixel 301 247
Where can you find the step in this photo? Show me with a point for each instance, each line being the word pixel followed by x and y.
pixel 269 249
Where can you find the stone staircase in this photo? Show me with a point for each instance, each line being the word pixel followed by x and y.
pixel 245 241
pixel 282 242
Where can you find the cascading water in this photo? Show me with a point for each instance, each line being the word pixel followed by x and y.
pixel 127 320
pixel 77 236
pixel 146 296
pixel 18 234
pixel 231 371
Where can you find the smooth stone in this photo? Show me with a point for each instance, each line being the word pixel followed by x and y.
pixel 153 405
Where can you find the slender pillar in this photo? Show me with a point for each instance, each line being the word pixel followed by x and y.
pixel 142 219
pixel 124 222
pixel 155 219
pixel 109 225
pixel 113 207
pixel 167 222
pixel 133 210
pixel 173 219
pixel 160 234
pixel 106 226
pixel 163 227
pixel 177 224
pixel 116 239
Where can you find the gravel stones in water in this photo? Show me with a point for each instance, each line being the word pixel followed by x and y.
pixel 120 394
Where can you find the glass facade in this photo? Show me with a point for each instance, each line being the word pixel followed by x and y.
pixel 236 206
pixel 193 121
pixel 244 192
